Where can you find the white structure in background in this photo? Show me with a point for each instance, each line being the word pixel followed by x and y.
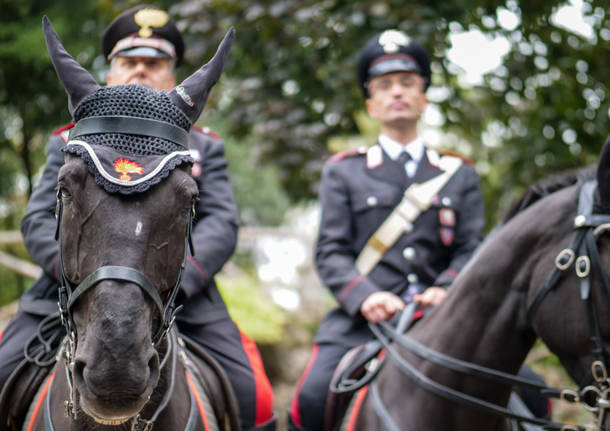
pixel 477 53
pixel 284 258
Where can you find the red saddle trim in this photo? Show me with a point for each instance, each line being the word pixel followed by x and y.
pixel 41 399
pixel 198 400
pixel 357 405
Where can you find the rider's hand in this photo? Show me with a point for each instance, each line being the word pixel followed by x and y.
pixel 431 296
pixel 381 306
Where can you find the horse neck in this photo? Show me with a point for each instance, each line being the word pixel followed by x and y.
pixel 483 320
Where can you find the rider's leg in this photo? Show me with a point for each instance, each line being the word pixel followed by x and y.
pixel 538 404
pixel 14 337
pixel 239 357
pixel 307 410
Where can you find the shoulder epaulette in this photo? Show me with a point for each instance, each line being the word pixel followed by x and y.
pixel 206 131
pixel 345 154
pixel 453 154
pixel 62 128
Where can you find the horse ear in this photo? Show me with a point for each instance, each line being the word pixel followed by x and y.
pixel 191 95
pixel 77 81
pixel 603 175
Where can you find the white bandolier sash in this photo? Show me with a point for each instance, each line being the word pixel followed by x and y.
pixel 417 199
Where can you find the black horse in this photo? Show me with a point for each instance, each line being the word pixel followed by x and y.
pixel 123 242
pixel 543 273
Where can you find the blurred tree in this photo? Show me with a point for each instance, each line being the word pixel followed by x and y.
pixel 32 101
pixel 293 86
pixel 290 83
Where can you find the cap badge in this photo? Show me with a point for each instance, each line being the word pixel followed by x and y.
pixel 126 167
pixel 147 18
pixel 392 40
pixel 184 95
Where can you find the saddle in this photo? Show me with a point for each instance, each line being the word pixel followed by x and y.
pixel 24 382
pixel 357 368
pixel 215 384
pixel 19 392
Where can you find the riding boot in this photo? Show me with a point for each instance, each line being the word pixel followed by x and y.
pixel 267 426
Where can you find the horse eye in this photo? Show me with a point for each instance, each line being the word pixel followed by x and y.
pixel 65 195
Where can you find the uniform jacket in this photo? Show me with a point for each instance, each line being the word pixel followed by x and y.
pixel 214 232
pixel 358 191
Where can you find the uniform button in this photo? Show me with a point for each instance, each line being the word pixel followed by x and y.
pixel 371 201
pixel 412 278
pixel 409 253
pixel 446 201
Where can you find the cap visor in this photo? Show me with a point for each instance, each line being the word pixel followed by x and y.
pixel 394 65
pixel 142 51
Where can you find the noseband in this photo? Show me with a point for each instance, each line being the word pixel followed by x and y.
pixel 69 294
pixel 584 254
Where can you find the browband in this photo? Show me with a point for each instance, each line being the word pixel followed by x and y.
pixel 130 126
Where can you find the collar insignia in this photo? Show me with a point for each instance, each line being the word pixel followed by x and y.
pixel 374 157
pixel 147 18
pixel 125 167
pixel 392 40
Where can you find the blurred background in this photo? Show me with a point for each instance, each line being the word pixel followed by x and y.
pixel 519 87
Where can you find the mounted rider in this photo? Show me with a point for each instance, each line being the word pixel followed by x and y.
pixel 143 46
pixel 381 244
pixel 373 279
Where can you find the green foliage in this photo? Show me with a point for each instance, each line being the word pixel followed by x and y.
pixel 251 309
pixel 291 87
pixel 258 192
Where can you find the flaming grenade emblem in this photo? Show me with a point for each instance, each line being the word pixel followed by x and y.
pixel 126 167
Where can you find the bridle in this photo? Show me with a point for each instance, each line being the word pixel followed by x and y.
pixel 69 294
pixel 583 254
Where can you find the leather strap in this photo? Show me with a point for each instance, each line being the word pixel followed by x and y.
pixel 122 273
pixel 130 126
pixel 417 199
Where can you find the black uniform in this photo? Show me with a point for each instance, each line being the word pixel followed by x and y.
pixel 204 316
pixel 357 194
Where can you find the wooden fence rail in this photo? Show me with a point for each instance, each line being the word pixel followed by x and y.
pixel 246 235
pixel 21 266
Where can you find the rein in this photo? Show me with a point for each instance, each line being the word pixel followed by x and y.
pixel 595 398
pixel 68 295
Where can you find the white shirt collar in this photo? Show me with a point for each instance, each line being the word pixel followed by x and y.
pixel 415 148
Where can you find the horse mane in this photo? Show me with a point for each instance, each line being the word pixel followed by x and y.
pixel 548 186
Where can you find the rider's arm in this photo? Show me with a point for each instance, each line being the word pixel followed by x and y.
pixel 216 217
pixel 39 224
pixel 335 251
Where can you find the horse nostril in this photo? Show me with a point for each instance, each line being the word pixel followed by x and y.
pixel 153 367
pixel 78 370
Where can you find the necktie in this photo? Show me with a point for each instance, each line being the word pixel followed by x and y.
pixel 403 158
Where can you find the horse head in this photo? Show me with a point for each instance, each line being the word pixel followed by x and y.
pixel 125 201
pixel 569 305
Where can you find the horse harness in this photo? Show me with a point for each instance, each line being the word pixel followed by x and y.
pixel 584 255
pixel 69 294
pixel 200 408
